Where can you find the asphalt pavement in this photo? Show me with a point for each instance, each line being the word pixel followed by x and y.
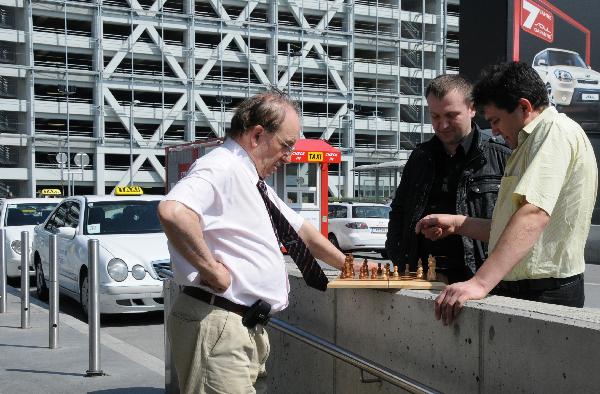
pixel 28 365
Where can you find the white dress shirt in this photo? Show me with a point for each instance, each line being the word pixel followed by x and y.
pixel 221 188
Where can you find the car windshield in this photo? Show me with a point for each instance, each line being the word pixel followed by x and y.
pixel 122 217
pixel 565 59
pixel 371 212
pixel 27 214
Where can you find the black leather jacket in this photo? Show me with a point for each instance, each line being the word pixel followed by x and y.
pixel 477 192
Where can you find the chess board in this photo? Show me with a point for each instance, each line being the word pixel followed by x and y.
pixel 381 277
pixel 417 284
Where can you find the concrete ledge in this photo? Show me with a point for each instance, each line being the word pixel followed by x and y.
pixel 497 345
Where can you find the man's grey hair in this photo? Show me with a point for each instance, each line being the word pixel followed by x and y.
pixel 266 109
pixel 441 85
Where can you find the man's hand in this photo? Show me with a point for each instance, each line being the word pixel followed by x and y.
pixel 438 226
pixel 449 303
pixel 217 277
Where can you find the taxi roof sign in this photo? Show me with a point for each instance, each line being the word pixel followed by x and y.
pixel 128 191
pixel 50 192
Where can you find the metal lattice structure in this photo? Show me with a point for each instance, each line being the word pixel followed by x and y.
pixel 121 79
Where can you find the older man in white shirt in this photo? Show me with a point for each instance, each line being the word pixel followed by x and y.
pixel 225 250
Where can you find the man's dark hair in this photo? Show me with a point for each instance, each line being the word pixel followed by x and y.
pixel 441 85
pixel 504 84
pixel 266 109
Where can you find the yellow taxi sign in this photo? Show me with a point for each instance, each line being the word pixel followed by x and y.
pixel 315 156
pixel 50 192
pixel 128 191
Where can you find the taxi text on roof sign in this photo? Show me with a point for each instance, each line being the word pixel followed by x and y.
pixel 315 156
pixel 128 191
pixel 50 192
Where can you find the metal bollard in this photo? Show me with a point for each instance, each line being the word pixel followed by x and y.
pixel 93 310
pixel 53 315
pixel 25 279
pixel 2 271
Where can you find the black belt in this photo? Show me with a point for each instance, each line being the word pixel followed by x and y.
pixel 524 285
pixel 215 300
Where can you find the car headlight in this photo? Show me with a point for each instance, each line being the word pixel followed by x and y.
pixel 117 269
pixel 16 246
pixel 138 272
pixel 563 76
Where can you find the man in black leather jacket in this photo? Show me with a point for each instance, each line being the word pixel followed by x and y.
pixel 457 171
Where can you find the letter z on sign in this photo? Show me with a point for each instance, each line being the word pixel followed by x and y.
pixel 315 156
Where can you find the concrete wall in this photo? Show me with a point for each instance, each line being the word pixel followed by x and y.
pixel 497 345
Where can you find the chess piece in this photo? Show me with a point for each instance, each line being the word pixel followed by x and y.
pixel 347 268
pixel 344 274
pixel 386 272
pixel 379 271
pixel 350 265
pixel 363 273
pixel 374 273
pixel 420 270
pixel 431 276
pixel 406 270
pixel 364 270
pixel 396 272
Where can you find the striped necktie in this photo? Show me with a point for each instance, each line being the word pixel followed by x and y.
pixel 296 248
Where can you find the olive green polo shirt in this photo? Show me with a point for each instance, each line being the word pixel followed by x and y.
pixel 553 168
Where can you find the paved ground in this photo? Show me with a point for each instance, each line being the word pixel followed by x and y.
pixel 27 365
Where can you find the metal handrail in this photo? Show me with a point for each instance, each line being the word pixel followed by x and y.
pixel 351 358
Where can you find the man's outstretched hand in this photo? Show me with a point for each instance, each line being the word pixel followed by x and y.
pixel 437 226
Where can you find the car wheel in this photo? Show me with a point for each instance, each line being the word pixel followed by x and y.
pixel 41 289
pixel 84 294
pixel 334 241
pixel 550 95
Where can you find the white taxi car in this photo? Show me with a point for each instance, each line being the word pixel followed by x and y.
pixel 18 215
pixel 132 249
pixel 358 226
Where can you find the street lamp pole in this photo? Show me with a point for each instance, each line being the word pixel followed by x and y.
pixel 288 69
pixel 131 105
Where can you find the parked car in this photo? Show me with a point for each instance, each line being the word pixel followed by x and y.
pixel 18 215
pixel 132 250
pixel 358 226
pixel 569 81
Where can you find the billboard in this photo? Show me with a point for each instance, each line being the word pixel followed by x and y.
pixel 559 38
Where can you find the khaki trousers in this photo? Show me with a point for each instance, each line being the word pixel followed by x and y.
pixel 213 352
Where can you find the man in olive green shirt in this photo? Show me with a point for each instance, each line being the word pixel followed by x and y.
pixel 540 224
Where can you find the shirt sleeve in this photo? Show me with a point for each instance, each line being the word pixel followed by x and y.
pixel 194 191
pixel 548 161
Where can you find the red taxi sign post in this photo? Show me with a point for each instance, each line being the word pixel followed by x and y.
pixel 319 152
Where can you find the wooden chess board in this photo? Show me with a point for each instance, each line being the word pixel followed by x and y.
pixel 380 277
pixel 416 284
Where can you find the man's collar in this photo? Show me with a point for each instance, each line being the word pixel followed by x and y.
pixel 546 114
pixel 468 140
pixel 236 149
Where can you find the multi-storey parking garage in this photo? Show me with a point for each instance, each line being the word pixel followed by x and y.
pixel 118 80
